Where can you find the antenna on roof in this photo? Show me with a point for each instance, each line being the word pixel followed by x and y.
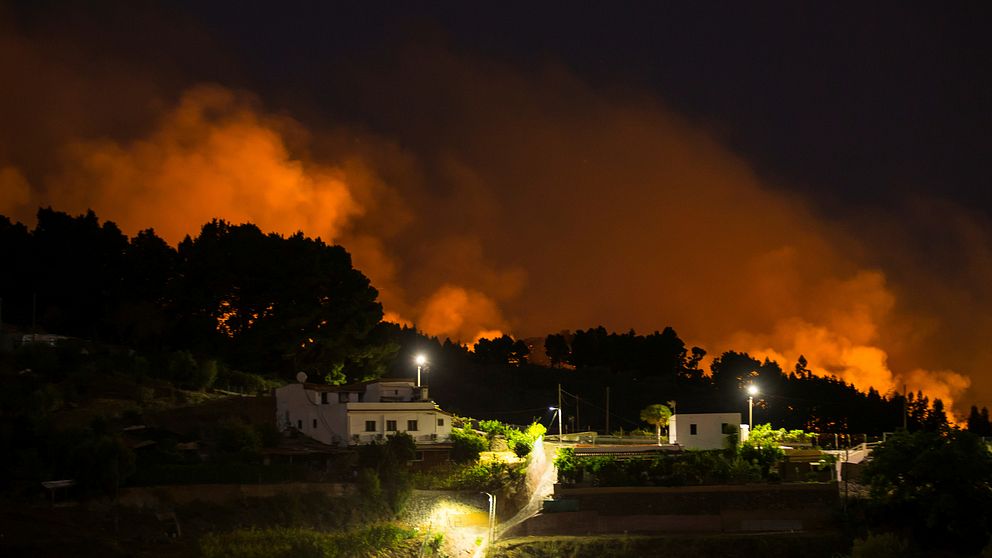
pixel 301 377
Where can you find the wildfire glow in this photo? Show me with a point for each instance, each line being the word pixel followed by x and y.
pixel 536 203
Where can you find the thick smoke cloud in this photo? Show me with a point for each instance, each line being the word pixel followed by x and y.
pixel 526 201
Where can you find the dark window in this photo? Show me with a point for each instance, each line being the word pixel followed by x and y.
pixel 727 428
pixel 418 456
pixel 299 425
pixel 342 398
pixel 411 425
pixel 440 422
pixel 692 429
pixel 370 426
pixel 390 426
pixel 323 397
pixel 315 423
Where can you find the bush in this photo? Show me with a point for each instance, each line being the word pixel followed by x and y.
pixel 936 486
pixel 883 545
pixel 235 438
pixel 493 428
pixel 235 380
pixel 205 375
pixel 467 444
pixel 485 476
pixel 687 468
pixel 402 446
pixel 568 466
pixel 762 447
pixel 369 485
pixel 282 542
pixel 522 442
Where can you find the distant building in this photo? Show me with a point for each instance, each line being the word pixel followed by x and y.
pixel 362 413
pixel 703 430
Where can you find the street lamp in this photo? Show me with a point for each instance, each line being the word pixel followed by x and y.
pixel 752 390
pixel 421 360
pixel 558 411
pixel 492 517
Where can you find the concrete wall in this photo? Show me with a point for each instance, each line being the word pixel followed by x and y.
pixel 299 408
pixel 787 507
pixel 708 429
pixel 156 497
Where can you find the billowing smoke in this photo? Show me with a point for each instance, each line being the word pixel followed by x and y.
pixel 212 155
pixel 529 202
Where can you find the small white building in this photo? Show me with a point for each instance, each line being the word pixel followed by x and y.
pixel 361 413
pixel 703 430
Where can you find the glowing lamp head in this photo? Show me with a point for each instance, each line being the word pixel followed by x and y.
pixel 752 390
pixel 420 360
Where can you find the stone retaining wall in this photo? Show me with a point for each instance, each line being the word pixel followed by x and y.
pixel 155 497
pixel 696 509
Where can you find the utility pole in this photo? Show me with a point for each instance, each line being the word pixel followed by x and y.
pixel 559 415
pixel 607 410
pixel 578 424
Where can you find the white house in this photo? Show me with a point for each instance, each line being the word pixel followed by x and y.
pixel 703 430
pixel 361 413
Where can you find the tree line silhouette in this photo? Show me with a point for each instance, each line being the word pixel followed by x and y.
pixel 639 370
pixel 258 302
pixel 275 305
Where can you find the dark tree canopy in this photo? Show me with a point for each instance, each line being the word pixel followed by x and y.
pixel 978 421
pixel 261 302
pixel 235 297
pixel 935 487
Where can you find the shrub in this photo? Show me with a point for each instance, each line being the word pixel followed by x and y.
pixel 522 442
pixel 369 485
pixel 485 476
pixel 493 428
pixel 205 375
pixel 466 444
pixel 567 465
pixel 236 438
pixel 402 446
pixel 883 545
pixel 936 486
pixel 282 542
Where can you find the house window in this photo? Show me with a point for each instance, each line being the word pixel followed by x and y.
pixel 418 456
pixel 390 426
pixel 411 425
pixel 342 398
pixel 323 398
pixel 299 425
pixel 315 423
pixel 440 422
pixel 692 429
pixel 370 426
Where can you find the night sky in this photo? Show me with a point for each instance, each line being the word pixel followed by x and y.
pixel 784 179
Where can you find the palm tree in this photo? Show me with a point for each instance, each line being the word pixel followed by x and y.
pixel 657 415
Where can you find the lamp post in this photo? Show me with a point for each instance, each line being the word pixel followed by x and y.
pixel 752 390
pixel 558 411
pixel 421 360
pixel 492 517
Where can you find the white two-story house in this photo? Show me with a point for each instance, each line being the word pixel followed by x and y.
pixel 362 413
